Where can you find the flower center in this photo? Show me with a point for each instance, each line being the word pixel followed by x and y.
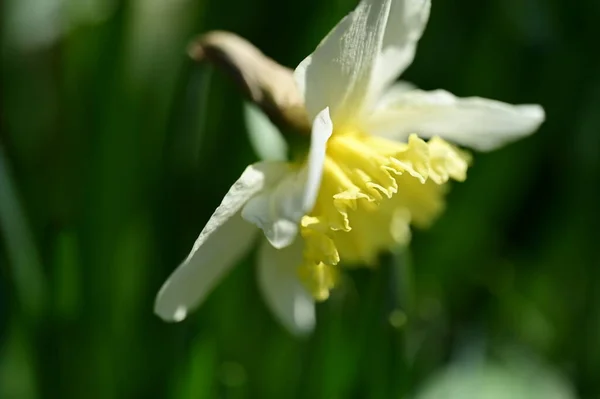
pixel 372 189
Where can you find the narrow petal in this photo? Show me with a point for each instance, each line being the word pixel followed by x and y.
pixel 224 239
pixel 363 54
pixel 474 122
pixel 406 23
pixel 322 130
pixel 278 210
pixel 285 295
pixel 337 73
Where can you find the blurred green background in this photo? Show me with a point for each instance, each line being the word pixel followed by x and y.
pixel 115 150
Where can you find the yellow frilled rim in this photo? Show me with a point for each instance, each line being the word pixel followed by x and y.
pixel 371 191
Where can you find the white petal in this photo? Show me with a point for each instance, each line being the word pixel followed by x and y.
pixel 406 23
pixel 322 129
pixel 337 73
pixel 224 239
pixel 284 294
pixel 364 53
pixel 393 94
pixel 265 137
pixel 473 122
pixel 278 210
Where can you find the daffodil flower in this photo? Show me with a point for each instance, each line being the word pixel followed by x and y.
pixel 379 161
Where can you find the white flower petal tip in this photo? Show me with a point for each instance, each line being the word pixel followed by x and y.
pixel 304 319
pixel 478 123
pixel 283 293
pixel 207 264
pixel 282 233
pixel 278 210
pixel 535 113
pixel 180 314
pixel 225 239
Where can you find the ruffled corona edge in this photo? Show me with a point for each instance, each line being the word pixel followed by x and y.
pixel 372 190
